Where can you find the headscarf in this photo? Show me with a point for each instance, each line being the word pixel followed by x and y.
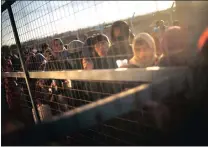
pixel 75 50
pixel 151 43
pixel 75 46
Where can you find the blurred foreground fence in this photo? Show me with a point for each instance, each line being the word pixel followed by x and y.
pixel 97 107
pixel 123 118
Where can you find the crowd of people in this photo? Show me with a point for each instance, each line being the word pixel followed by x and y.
pixel 165 46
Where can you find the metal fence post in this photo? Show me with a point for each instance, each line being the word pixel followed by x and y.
pixel 16 36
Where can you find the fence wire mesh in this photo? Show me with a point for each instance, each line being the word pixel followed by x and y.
pixel 81 35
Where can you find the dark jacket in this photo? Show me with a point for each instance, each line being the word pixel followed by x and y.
pixel 61 63
pixel 177 60
pixel 120 48
pixel 16 63
pixel 76 61
pixel 119 51
pixel 59 96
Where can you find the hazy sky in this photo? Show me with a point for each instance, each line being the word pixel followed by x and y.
pixel 36 19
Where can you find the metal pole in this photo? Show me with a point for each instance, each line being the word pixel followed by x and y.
pixel 16 36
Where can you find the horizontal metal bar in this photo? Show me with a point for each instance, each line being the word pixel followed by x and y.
pixel 6 4
pixel 99 111
pixel 120 74
pixel 13 74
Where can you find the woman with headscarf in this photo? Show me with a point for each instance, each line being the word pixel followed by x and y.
pixel 120 48
pixel 173 45
pixel 75 50
pixel 144 52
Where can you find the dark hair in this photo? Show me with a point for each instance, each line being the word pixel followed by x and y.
pixel 88 47
pixel 44 46
pixel 60 41
pixel 176 23
pixel 157 23
pixel 5 49
pixel 124 27
pixel 100 37
pixel 13 46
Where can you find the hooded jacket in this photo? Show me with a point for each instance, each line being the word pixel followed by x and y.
pixel 75 50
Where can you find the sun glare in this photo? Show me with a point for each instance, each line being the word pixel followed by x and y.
pixel 46 18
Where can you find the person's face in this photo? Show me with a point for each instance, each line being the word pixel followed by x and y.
pixel 56 46
pixel 143 51
pixel 87 65
pixel 117 31
pixel 102 48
